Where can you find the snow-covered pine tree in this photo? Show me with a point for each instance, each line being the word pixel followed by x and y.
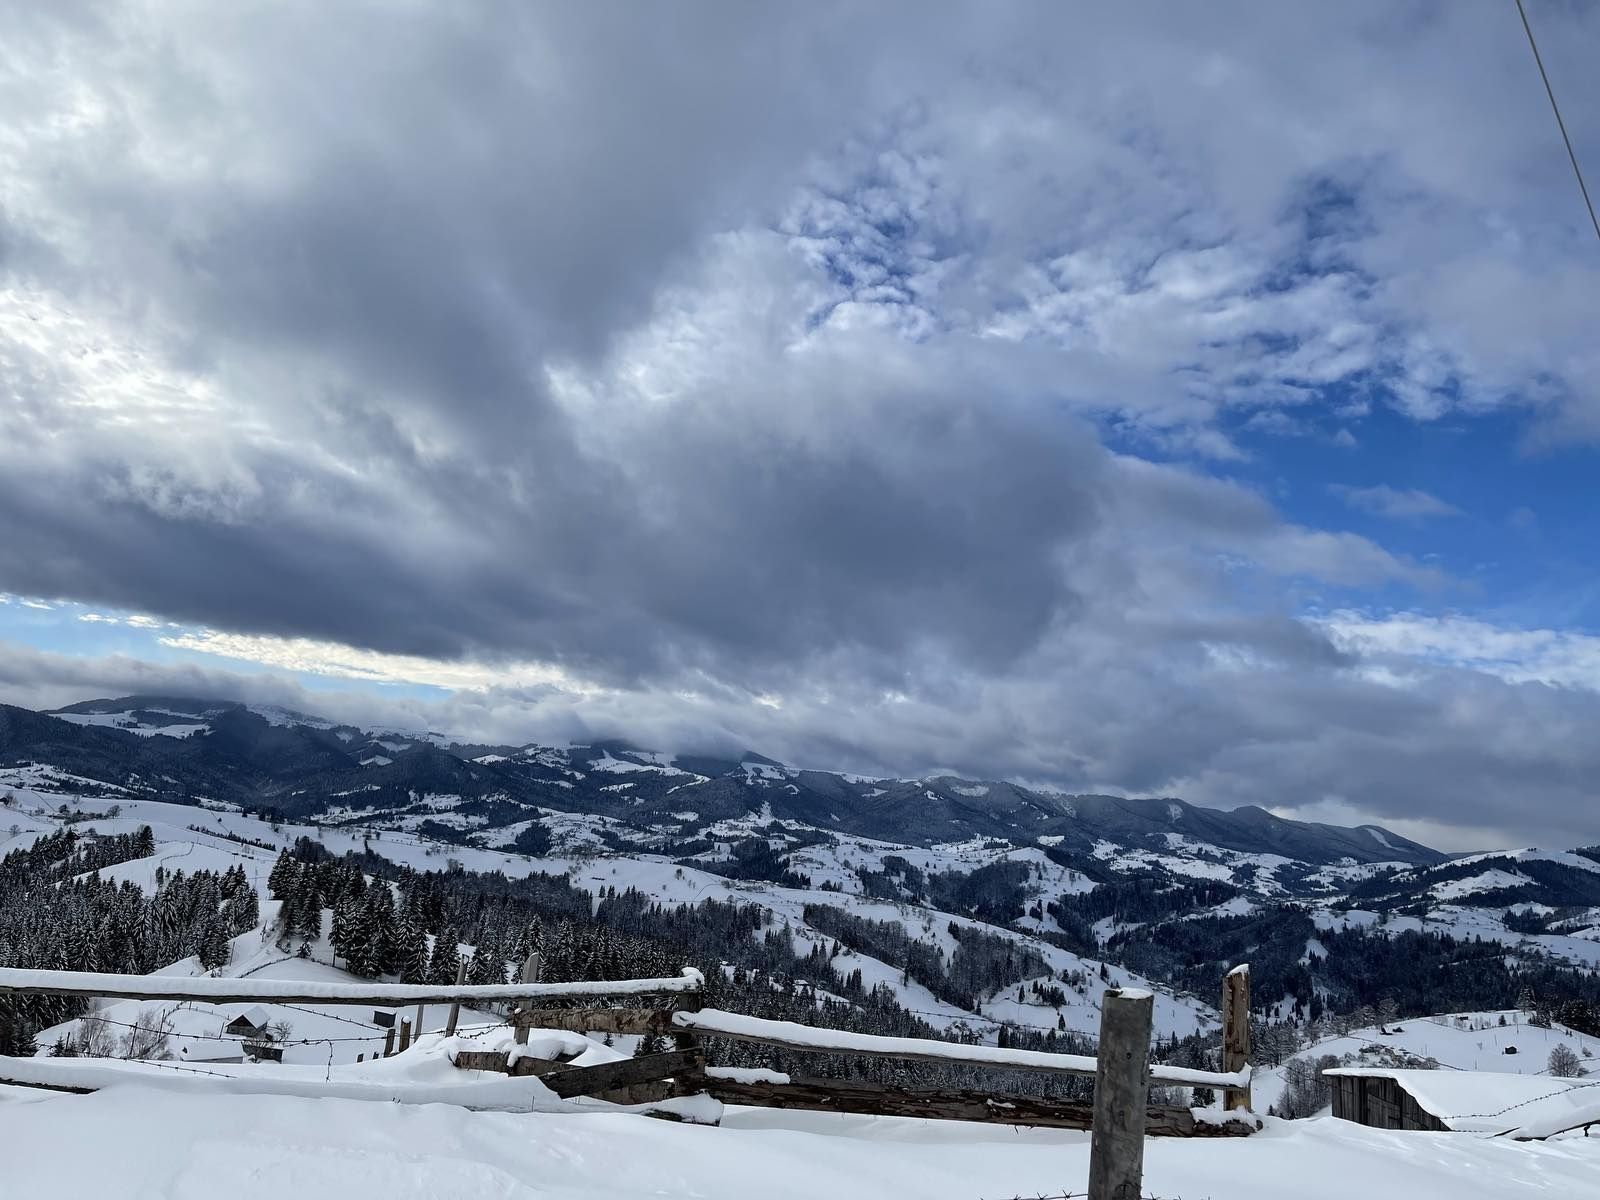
pixel 445 959
pixel 413 949
pixel 486 966
pixel 283 878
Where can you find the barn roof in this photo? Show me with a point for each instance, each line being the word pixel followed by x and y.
pixel 258 1017
pixel 1488 1101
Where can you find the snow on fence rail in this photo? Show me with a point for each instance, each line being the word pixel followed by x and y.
pixel 1121 1117
pixel 282 991
pixel 715 1023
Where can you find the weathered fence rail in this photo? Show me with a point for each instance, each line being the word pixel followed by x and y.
pixel 945 1104
pixel 790 1036
pixel 286 991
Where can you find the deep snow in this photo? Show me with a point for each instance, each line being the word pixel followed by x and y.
pixel 152 1145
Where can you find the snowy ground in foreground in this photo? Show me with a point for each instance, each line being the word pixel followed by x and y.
pixel 168 1146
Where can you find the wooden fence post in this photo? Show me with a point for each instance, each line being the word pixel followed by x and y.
pixel 693 1080
pixel 532 968
pixel 455 1009
pixel 1121 1092
pixel 418 1025
pixel 405 1036
pixel 1236 1033
pixel 388 1042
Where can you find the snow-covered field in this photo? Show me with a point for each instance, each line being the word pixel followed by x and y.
pixel 168 1145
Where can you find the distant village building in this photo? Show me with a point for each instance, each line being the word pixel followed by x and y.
pixel 252 1024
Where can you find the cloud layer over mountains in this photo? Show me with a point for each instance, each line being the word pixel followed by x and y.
pixel 852 383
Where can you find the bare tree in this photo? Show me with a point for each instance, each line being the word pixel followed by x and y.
pixel 147 1038
pixel 1306 1090
pixel 1388 1014
pixel 96 1039
pixel 1564 1062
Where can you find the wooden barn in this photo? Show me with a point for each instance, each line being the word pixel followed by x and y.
pixel 1447 1101
pixel 1379 1099
pixel 252 1024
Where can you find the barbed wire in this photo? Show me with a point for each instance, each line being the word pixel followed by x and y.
pixel 377 1036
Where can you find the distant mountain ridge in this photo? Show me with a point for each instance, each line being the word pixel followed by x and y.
pixel 188 749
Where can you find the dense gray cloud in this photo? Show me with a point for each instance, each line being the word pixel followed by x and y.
pixel 751 366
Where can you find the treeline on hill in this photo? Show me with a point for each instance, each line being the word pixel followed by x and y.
pixel 1547 882
pixel 56 913
pixel 752 963
pixel 995 892
pixel 1322 972
pixel 981 964
pixel 1134 900
pixel 752 858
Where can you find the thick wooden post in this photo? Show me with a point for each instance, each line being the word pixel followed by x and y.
pixel 405 1036
pixel 388 1041
pixel 1236 1032
pixel 1121 1092
pixel 532 968
pixel 455 1009
pixel 692 1081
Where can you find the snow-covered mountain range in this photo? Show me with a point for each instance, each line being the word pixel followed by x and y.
pixel 1090 888
pixel 175 748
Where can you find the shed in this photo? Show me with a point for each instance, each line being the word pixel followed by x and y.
pixel 251 1023
pixel 1446 1101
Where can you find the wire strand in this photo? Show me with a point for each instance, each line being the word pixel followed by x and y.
pixel 1556 108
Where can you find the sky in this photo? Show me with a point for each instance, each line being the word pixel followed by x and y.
pixel 1151 399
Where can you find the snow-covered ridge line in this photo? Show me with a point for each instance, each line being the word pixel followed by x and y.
pixel 837 1041
pixel 287 991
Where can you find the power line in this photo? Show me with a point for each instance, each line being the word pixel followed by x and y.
pixel 1556 108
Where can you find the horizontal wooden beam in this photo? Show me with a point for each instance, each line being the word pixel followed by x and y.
pixel 497 1060
pixel 714 1023
pixel 939 1104
pixel 44 1087
pixel 624 1072
pixel 208 989
pixel 833 1095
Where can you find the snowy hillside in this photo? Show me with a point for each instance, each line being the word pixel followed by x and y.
pixel 193 839
pixel 1502 1042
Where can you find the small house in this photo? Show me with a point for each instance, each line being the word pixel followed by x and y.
pixel 252 1024
pixel 1451 1101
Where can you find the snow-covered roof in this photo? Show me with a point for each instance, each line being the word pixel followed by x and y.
pixel 256 1016
pixel 1487 1101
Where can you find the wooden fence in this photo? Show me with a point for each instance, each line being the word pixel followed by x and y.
pixel 1119 1119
